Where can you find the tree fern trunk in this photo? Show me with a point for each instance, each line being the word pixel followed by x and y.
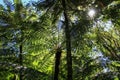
pixel 20 55
pixel 57 63
pixel 20 62
pixel 68 43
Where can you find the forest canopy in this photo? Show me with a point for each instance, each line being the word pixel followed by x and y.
pixel 60 40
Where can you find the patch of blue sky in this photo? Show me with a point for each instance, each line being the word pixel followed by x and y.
pixel 10 3
pixel 1 2
pixel 106 25
pixel 23 1
pixel 29 1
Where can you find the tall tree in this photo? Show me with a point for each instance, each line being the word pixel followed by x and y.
pixel 68 42
pixel 57 62
pixel 17 19
pixel 56 5
pixel 18 9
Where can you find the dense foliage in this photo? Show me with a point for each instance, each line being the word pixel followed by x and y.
pixel 59 40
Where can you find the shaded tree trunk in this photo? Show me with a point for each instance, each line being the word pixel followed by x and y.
pixel 20 62
pixel 57 63
pixel 68 43
pixel 20 55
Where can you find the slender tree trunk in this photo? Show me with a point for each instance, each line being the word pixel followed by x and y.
pixel 20 62
pixel 20 55
pixel 57 63
pixel 18 18
pixel 68 43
